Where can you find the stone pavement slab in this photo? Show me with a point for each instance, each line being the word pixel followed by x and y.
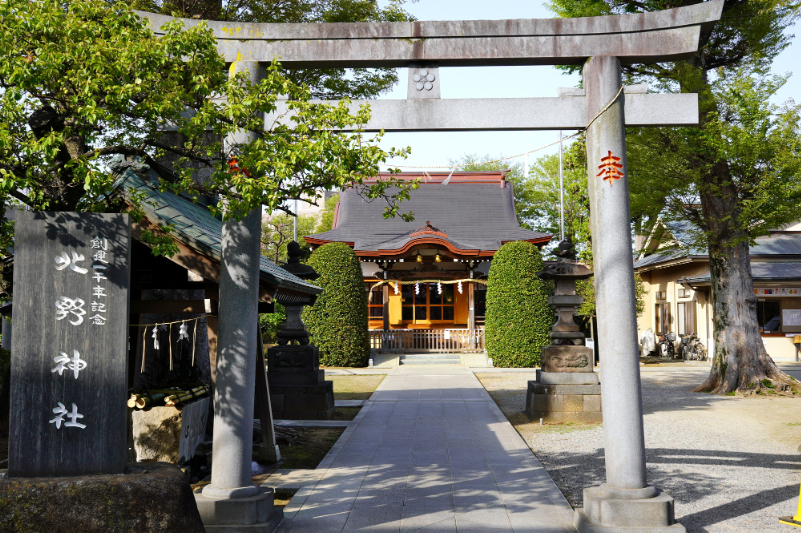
pixel 429 452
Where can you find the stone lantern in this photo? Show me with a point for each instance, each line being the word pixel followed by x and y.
pixel 566 388
pixel 298 390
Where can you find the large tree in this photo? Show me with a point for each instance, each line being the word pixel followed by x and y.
pixel 333 83
pixel 733 177
pixel 85 81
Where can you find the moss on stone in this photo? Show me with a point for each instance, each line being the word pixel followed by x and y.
pixel 155 497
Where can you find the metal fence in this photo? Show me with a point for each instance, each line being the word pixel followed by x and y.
pixel 427 340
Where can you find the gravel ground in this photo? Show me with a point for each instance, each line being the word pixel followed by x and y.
pixel 731 463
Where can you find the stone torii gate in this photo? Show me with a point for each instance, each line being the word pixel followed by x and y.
pixel 601 45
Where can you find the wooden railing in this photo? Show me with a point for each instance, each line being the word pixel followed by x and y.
pixel 427 340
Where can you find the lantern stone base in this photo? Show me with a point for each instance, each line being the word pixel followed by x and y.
pixel 298 390
pixel 303 402
pixel 255 514
pixel 606 512
pixel 147 497
pixel 572 400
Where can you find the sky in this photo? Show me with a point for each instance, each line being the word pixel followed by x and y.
pixel 431 149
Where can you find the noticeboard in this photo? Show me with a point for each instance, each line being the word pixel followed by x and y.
pixel 791 317
pixel 68 362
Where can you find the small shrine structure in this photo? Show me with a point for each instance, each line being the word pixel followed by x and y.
pixel 425 280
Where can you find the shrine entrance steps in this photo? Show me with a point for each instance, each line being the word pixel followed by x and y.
pixel 429 452
pixel 430 359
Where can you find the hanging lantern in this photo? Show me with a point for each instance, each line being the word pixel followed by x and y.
pixel 419 258
pixel 459 286
pixel 438 258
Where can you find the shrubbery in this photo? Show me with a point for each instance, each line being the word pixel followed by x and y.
pixel 337 322
pixel 518 316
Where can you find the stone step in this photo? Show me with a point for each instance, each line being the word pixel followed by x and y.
pixel 430 356
pixel 431 361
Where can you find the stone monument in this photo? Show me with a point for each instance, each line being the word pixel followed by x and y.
pixel 69 375
pixel 566 388
pixel 298 390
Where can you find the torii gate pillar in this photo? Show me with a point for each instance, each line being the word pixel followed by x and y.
pixel 625 502
pixel 231 502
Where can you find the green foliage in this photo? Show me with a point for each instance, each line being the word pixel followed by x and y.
pixel 326 222
pixel 338 320
pixel 277 231
pixel 544 197
pixel 96 83
pixel 324 84
pixel 518 315
pixel 270 324
pixel 748 154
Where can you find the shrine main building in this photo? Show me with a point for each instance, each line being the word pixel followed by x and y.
pixel 425 280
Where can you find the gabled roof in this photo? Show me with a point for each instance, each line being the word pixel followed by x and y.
pixel 473 213
pixel 776 246
pixel 679 246
pixel 198 229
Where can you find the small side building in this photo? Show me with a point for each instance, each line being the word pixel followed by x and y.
pixel 678 293
pixel 425 281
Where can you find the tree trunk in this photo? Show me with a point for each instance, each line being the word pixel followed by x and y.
pixel 740 362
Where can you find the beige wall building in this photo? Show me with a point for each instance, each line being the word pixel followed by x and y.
pixel 678 293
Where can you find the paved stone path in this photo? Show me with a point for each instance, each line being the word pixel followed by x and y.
pixel 429 452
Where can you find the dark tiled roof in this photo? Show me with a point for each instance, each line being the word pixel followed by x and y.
pixel 197 228
pixel 657 258
pixel 475 216
pixel 763 271
pixel 777 244
pixel 680 230
pixel 768 245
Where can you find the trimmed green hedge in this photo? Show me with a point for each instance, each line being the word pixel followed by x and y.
pixel 337 322
pixel 518 316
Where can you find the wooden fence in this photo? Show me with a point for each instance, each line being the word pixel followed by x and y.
pixel 427 340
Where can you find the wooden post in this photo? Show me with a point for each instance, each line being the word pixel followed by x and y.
pixel 211 328
pixel 134 346
pixel 263 409
pixel 385 291
pixel 471 313
pixel 212 292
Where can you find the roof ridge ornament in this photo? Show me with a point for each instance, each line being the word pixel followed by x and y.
pixel 428 229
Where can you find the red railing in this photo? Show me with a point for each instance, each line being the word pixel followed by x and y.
pixel 427 340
